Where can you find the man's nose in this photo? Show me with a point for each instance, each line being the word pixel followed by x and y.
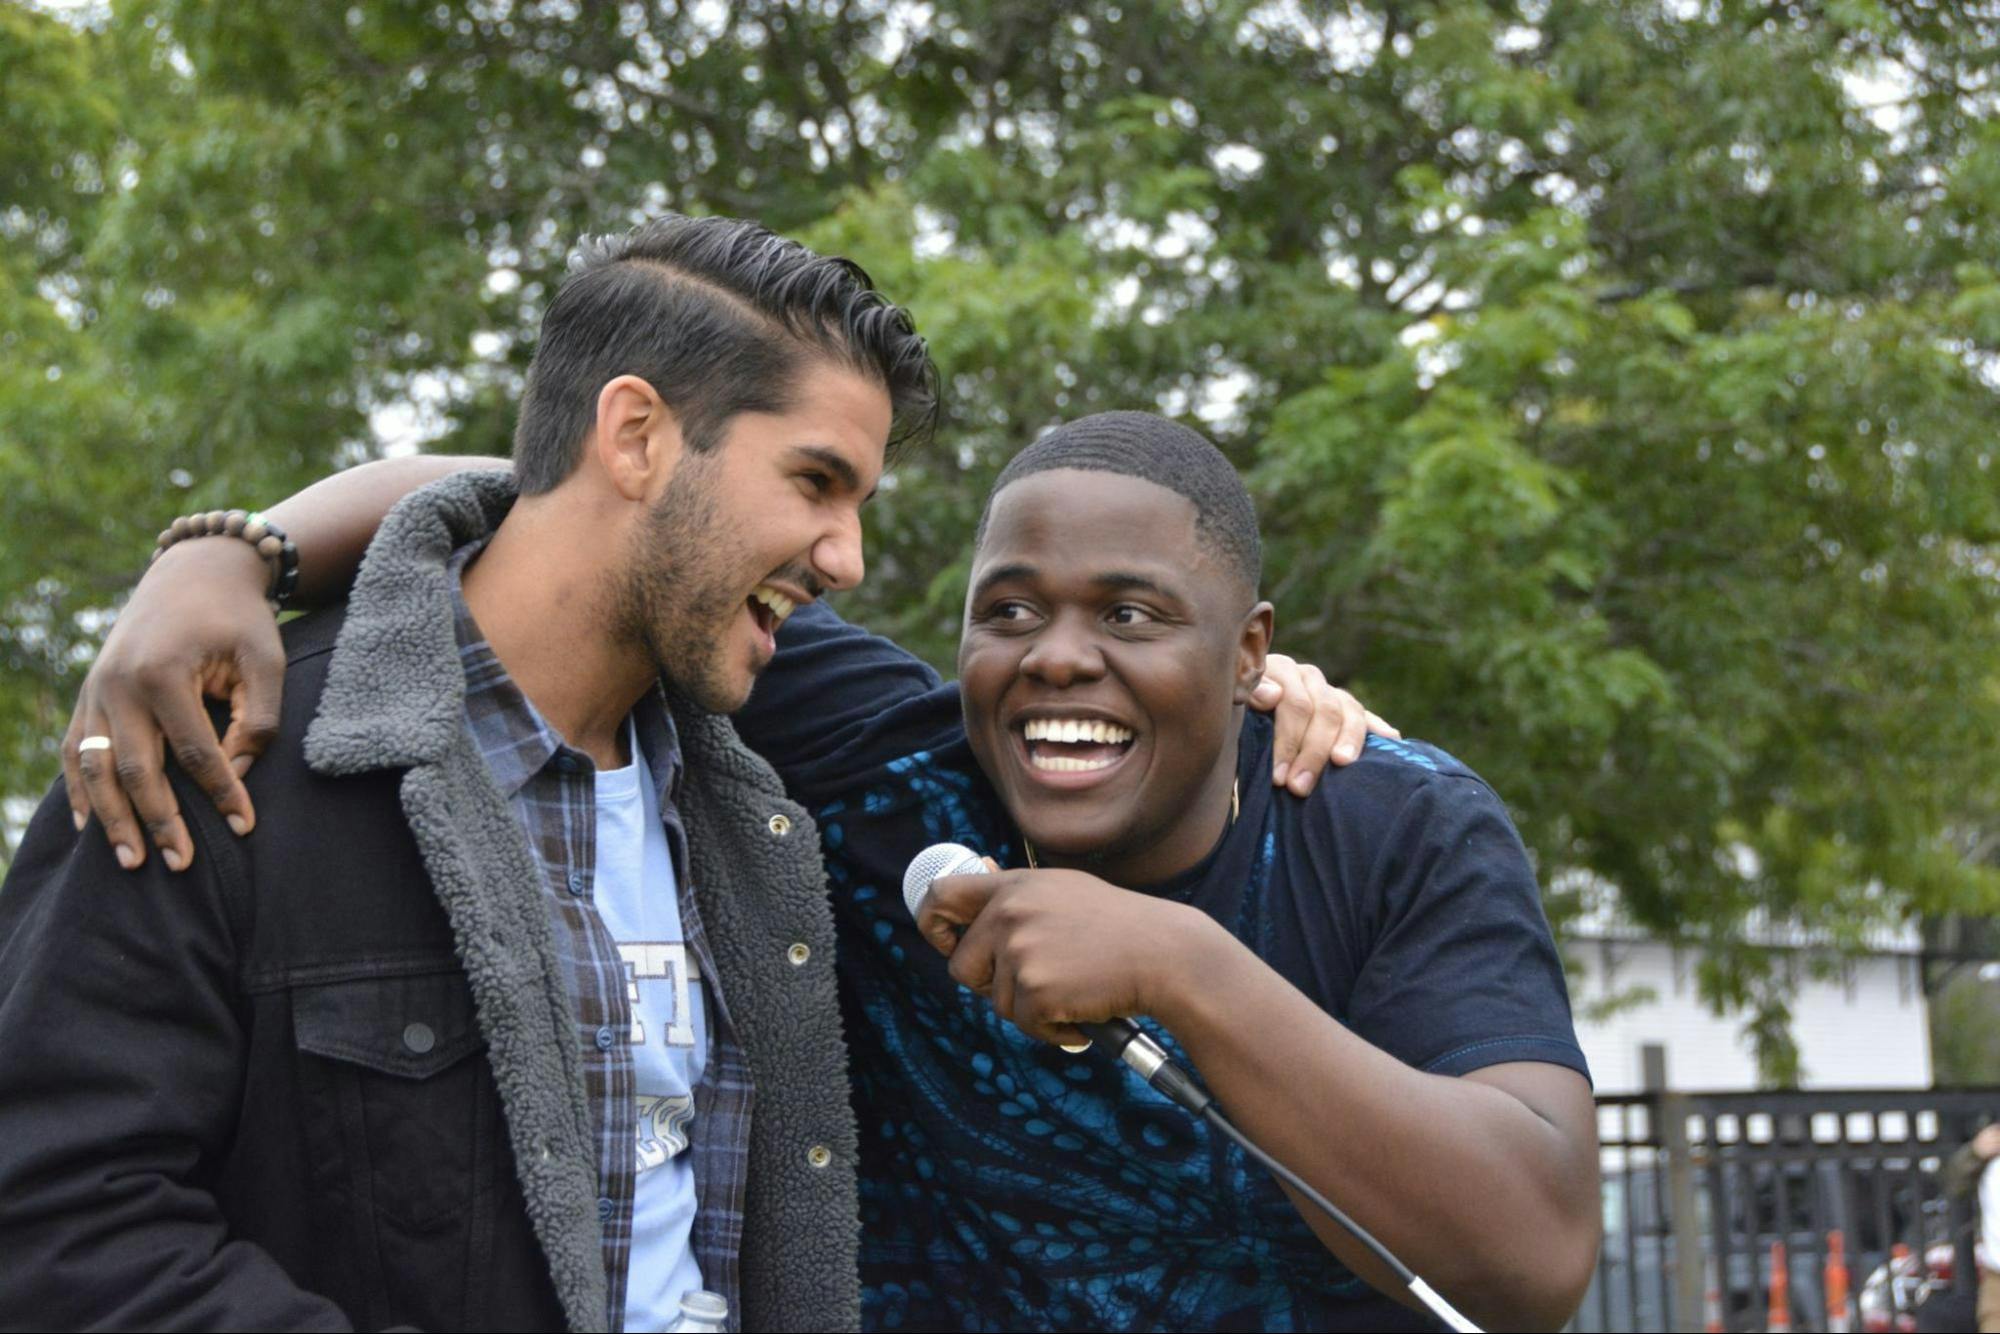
pixel 837 555
pixel 1065 653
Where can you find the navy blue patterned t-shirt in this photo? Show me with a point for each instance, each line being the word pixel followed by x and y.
pixel 1007 1184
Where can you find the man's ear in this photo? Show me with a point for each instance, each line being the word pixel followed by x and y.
pixel 1253 642
pixel 637 438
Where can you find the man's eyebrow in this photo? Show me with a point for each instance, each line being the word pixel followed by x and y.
pixel 1001 574
pixel 1121 580
pixel 1115 581
pixel 837 464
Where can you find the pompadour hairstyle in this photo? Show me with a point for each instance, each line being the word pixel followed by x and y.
pixel 720 316
pixel 1161 451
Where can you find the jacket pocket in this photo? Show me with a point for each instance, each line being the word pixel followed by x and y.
pixel 408 1107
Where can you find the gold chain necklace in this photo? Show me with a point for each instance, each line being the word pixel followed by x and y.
pixel 1235 805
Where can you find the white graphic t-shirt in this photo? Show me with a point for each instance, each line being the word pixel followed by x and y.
pixel 1989 1216
pixel 637 896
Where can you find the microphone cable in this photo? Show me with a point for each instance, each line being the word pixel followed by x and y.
pixel 1125 1041
pixel 1419 1289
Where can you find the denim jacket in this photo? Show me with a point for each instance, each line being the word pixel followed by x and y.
pixel 324 1078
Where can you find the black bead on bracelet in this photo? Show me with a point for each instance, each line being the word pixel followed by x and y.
pixel 269 541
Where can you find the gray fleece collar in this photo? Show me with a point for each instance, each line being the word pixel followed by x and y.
pixel 395 692
pixel 395 698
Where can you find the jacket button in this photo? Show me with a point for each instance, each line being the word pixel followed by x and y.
pixel 419 1038
pixel 818 1156
pixel 799 953
pixel 780 825
pixel 576 882
pixel 604 1210
pixel 605 1037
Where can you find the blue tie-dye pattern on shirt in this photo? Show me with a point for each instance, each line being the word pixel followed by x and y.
pixel 1007 1184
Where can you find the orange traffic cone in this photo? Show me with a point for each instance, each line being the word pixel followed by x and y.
pixel 1839 1315
pixel 1779 1320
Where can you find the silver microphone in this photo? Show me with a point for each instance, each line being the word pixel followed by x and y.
pixel 939 859
pixel 1119 1037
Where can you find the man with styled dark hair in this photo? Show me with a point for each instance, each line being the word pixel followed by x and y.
pixel 463 1029
pixel 694 303
pixel 467 1033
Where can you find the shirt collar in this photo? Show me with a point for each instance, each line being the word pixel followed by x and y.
pixel 511 734
pixel 660 743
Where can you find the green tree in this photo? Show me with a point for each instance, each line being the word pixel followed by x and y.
pixel 1965 1029
pixel 1619 379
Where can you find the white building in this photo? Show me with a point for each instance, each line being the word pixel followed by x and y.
pixel 1866 1026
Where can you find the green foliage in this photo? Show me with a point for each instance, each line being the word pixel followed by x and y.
pixel 1965 1031
pixel 1620 389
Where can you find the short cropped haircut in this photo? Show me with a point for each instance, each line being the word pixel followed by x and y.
pixel 1166 453
pixel 720 316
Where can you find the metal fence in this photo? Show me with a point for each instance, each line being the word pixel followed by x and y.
pixel 1805 1193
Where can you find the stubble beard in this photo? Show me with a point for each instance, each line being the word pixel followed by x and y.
pixel 677 600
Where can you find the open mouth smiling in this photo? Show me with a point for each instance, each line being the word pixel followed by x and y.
pixel 1070 750
pixel 768 610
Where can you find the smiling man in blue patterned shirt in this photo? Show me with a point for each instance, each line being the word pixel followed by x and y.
pixel 1363 976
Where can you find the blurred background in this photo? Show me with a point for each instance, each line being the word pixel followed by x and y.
pixel 1619 381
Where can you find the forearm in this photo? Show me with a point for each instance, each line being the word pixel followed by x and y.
pixel 333 520
pixel 1464 1182
pixel 1962 1169
pixel 836 703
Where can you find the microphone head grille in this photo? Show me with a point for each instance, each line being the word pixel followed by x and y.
pixel 934 861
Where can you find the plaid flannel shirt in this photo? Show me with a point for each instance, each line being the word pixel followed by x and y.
pixel 553 790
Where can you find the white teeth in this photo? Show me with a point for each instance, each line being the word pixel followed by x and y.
pixel 1073 730
pixel 780 605
pixel 1065 765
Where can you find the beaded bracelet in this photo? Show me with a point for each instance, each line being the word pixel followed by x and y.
pixel 269 540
